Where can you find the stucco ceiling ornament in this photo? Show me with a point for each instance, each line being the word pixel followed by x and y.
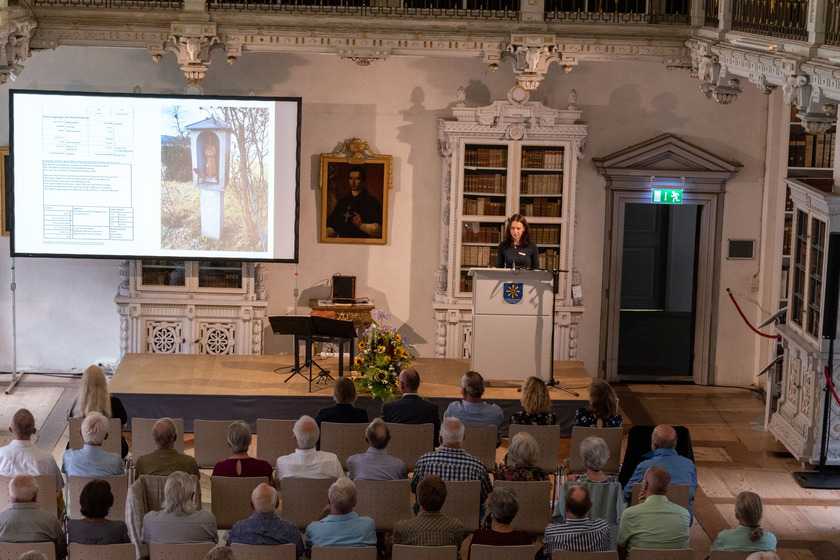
pixel 191 43
pixel 363 56
pixel 14 41
pixel 531 56
pixel 819 122
pixel 796 90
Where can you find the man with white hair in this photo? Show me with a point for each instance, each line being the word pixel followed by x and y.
pixel 264 528
pixel 22 457
pixel 306 461
pixel 165 459
pixel 91 460
pixel 24 521
pixel 342 527
pixel 450 462
pixel 179 521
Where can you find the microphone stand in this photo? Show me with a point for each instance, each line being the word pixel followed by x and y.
pixel 555 275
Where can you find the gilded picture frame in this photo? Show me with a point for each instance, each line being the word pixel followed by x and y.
pixel 355 184
pixel 5 212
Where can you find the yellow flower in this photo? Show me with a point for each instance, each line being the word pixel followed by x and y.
pixel 361 345
pixel 359 361
pixel 387 359
pixel 380 350
pixel 399 336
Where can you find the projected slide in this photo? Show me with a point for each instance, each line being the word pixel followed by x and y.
pixel 155 176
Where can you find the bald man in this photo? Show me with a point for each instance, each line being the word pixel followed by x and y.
pixel 21 456
pixel 165 459
pixel 24 521
pixel 663 443
pixel 655 522
pixel 411 409
pixel 264 528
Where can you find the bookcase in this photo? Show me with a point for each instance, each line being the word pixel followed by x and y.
pixel 513 156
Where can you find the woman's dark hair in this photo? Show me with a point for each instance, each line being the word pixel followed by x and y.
pixel 96 499
pixel 525 240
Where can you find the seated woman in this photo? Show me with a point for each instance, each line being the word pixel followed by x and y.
pixel 602 411
pixel 748 535
pixel 523 453
pixel 594 454
pixel 95 502
pixel 344 394
pixel 93 396
pixel 179 521
pixel 536 401
pixel 502 507
pixel 240 463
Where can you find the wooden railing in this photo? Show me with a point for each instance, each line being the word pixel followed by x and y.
pixel 777 18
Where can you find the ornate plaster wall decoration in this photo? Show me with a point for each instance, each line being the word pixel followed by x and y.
pixel 14 43
pixel 531 56
pixel 192 44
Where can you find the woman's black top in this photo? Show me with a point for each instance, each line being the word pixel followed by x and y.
pixel 523 257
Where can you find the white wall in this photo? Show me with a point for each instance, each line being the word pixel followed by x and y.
pixel 66 314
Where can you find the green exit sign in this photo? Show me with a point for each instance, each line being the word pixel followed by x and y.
pixel 666 196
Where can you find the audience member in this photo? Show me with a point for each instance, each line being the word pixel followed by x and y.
pixel 594 453
pixel 430 527
pixel 578 533
pixel 165 460
pixel 523 453
pixel 93 396
pixel 663 442
pixel 24 521
pixel 21 456
pixel 342 527
pixel 264 527
pixel 748 535
pixel 95 502
pixel 655 522
pixel 450 462
pixel 536 401
pixel 502 507
pixel 411 409
pixel 602 411
pixel 220 553
pixel 240 463
pixel 179 521
pixel 91 460
pixel 763 555
pixel 306 461
pixel 344 395
pixel 472 410
pixel 33 555
pixel 375 463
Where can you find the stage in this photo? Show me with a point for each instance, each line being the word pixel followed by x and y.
pixel 191 386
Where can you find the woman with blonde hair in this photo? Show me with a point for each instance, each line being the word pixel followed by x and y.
pixel 93 396
pixel 602 411
pixel 536 401
pixel 748 535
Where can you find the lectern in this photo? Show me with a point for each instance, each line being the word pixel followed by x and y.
pixel 512 322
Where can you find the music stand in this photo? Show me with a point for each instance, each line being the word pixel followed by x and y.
pixel 315 329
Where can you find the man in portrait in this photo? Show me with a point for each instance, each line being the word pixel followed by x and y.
pixel 357 214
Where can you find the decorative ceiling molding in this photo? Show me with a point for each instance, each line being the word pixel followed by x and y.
pixel 15 36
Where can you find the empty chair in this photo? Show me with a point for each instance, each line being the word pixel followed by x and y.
pixel 230 498
pixel 112 444
pixel 490 552
pixel 303 499
pixel 534 505
pixel 102 551
pixel 409 552
pixel 274 438
pixel 343 439
pixel 47 494
pixel 185 551
pixel 729 554
pixel 548 438
pixel 463 501
pixel 142 442
pixel 386 501
pixel 211 444
pixel 569 555
pixel 272 552
pixel 12 551
pixel 119 488
pixel 335 553
pixel 612 437
pixel 661 554
pixel 679 494
pixel 480 441
pixel 410 441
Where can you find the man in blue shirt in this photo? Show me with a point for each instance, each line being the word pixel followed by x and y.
pixel 375 463
pixel 264 528
pixel 91 460
pixel 342 527
pixel 472 410
pixel 663 442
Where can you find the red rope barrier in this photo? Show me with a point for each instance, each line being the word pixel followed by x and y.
pixel 830 384
pixel 741 313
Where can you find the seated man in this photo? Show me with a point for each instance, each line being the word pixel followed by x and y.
pixel 410 408
pixel 91 460
pixel 342 527
pixel 578 533
pixel 306 461
pixel 663 442
pixel 264 527
pixel 165 460
pixel 472 410
pixel 22 457
pixel 24 521
pixel 655 522
pixel 375 463
pixel 179 521
pixel 430 527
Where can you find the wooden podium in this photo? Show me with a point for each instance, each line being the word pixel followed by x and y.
pixel 511 323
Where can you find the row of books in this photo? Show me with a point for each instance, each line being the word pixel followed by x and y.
pixel 484 156
pixel 230 280
pixel 541 184
pixel 466 283
pixel 539 158
pixel 548 235
pixel 485 183
pixel 481 234
pixel 541 207
pixel 809 150
pixel 163 278
pixel 483 206
pixel 473 255
pixel 550 259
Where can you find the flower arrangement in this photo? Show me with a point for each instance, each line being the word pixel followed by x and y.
pixel 383 354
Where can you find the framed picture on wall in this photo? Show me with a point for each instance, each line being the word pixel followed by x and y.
pixel 354 185
pixel 5 193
